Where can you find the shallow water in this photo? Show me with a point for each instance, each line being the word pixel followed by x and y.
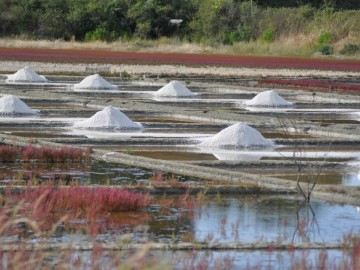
pixel 242 218
pixel 94 173
pixel 245 219
pixel 251 219
pixel 212 260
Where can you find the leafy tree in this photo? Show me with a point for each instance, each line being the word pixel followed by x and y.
pixel 52 21
pixel 153 17
pixel 29 13
pixel 226 21
pixel 9 17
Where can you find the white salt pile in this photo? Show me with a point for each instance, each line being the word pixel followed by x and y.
pixel 26 74
pixel 268 99
pixel 174 89
pixel 94 82
pixel 10 104
pixel 239 135
pixel 108 118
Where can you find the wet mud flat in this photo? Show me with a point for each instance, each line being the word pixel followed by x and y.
pixel 240 187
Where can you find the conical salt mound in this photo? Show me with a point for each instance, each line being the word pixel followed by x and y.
pixel 174 89
pixel 268 99
pixel 108 118
pixel 239 135
pixel 26 74
pixel 94 82
pixel 10 104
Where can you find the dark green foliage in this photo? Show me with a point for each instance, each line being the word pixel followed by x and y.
pixel 350 48
pixel 337 4
pixel 325 49
pixel 205 21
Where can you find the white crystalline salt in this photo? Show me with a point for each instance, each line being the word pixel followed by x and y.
pixel 108 118
pixel 26 74
pixel 94 82
pixel 10 104
pixel 174 89
pixel 268 99
pixel 239 135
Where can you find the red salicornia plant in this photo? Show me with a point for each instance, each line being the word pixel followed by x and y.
pixel 55 154
pixel 49 205
pixel 9 153
pixel 85 199
pixel 46 154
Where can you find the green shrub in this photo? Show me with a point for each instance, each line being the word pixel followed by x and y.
pixel 322 44
pixel 269 35
pixel 241 34
pixel 325 49
pixel 232 38
pixel 324 38
pixel 100 33
pixel 350 48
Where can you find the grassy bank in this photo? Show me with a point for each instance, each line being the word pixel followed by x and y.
pixel 299 45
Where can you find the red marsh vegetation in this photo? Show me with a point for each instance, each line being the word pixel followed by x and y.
pixel 311 84
pixel 44 154
pixel 121 57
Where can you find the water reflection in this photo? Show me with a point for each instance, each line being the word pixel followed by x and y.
pixel 351 179
pixel 94 134
pixel 287 259
pixel 228 154
pixel 253 155
pixel 96 173
pixel 307 226
pixel 237 156
pixel 273 219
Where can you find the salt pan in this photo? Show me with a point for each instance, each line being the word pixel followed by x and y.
pixel 174 89
pixel 94 82
pixel 108 118
pixel 26 74
pixel 268 99
pixel 239 135
pixel 10 104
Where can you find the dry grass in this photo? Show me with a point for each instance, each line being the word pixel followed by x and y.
pixel 279 47
pixel 294 45
pixel 297 44
pixel 161 45
pixel 284 46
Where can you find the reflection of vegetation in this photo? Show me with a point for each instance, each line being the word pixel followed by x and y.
pixel 306 225
pixel 307 168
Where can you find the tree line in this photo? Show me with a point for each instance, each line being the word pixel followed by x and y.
pixel 225 21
